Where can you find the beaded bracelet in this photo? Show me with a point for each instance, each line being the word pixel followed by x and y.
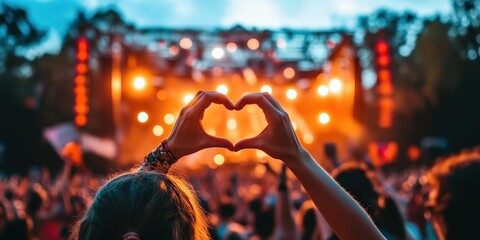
pixel 160 159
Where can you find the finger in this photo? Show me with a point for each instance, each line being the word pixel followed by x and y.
pixel 213 97
pixel 248 143
pixel 196 97
pixel 219 142
pixel 256 98
pixel 273 101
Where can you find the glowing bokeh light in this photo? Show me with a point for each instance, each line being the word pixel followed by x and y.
pixel 162 95
pixel 231 124
pixel 253 44
pixel 222 89
pixel 142 117
pixel 322 90
pixel 324 118
pixel 219 159
pixel 291 94
pixel 185 43
pixel 308 138
pixel 157 130
pixel 188 98
pixel 169 118
pixel 281 43
pixel 335 85
pixel 288 73
pixel 174 50
pixel 231 47
pixel 217 53
pixel 266 88
pixel 139 83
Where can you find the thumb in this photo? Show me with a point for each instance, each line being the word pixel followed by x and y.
pixel 219 142
pixel 247 143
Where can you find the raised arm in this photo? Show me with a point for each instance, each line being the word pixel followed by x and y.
pixel 346 217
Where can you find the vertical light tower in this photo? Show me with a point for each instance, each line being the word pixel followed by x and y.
pixel 385 84
pixel 80 91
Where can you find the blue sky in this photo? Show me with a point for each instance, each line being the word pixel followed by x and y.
pixel 55 15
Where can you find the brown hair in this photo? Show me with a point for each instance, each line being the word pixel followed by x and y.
pixel 150 204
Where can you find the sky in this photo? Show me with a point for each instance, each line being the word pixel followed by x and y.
pixel 55 15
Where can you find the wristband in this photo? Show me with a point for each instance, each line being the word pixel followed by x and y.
pixel 160 159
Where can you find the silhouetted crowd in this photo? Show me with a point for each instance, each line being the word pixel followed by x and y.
pixel 247 204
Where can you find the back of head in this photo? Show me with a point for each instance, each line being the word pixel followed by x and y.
pixel 456 194
pixel 150 204
pixel 355 179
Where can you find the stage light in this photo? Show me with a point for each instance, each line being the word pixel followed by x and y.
pixel 288 73
pixel 157 130
pixel 266 88
pixel 139 83
pixel 81 120
pixel 231 124
pixel 231 47
pixel 291 94
pixel 253 44
pixel 142 117
pixel 222 89
pixel 322 90
pixel 281 43
pixel 188 98
pixel 308 138
pixel 217 53
pixel 324 118
pixel 335 85
pixel 169 118
pixel 162 95
pixel 219 159
pixel 173 50
pixel 294 125
pixel 185 43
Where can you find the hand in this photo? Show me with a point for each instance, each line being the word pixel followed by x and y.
pixel 188 135
pixel 278 139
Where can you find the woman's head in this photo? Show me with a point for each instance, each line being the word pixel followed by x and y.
pixel 151 204
pixel 455 196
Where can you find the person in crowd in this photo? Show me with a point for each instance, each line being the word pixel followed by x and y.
pixel 454 199
pixel 151 204
pixel 356 179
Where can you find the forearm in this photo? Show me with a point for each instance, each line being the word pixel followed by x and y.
pixel 285 227
pixel 346 217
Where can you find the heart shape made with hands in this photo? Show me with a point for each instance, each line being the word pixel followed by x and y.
pixel 234 125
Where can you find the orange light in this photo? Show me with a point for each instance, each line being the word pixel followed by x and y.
pixel 413 153
pixel 219 159
pixel 222 89
pixel 383 60
pixel 81 68
pixel 157 130
pixel 253 44
pixel 174 50
pixel 188 98
pixel 288 72
pixel 81 120
pixel 169 118
pixel 322 90
pixel 81 108
pixel 324 118
pixel 384 75
pixel 139 83
pixel 308 138
pixel 266 88
pixel 231 124
pixel 80 90
pixel 142 117
pixel 231 47
pixel 81 99
pixel 291 94
pixel 382 47
pixel 82 45
pixel 335 85
pixel 185 43
pixel 80 80
pixel 82 56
